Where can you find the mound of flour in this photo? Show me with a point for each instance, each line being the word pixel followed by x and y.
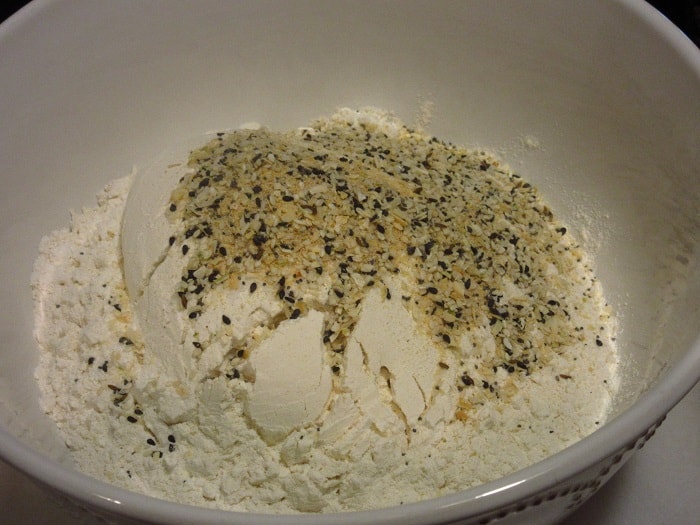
pixel 527 370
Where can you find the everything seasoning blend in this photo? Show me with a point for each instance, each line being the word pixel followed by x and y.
pixel 356 203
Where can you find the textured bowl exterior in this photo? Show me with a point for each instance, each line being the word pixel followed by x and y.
pixel 552 505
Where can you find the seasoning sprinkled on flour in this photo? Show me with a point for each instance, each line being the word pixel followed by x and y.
pixel 306 317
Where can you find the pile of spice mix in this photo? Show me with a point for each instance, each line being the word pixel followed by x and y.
pixel 360 201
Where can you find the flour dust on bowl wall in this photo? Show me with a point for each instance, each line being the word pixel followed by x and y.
pixel 288 305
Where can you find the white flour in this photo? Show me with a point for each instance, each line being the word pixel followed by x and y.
pixel 213 455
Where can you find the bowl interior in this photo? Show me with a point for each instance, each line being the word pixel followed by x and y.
pixel 606 125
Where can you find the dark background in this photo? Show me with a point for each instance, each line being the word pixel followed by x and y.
pixel 684 13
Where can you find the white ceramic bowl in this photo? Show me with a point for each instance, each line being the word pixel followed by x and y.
pixel 609 90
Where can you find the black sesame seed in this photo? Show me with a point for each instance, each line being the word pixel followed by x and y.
pixel 185 249
pixel 131 419
pixel 151 442
pixel 226 319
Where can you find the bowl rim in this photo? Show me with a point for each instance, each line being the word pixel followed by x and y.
pixel 625 429
pixel 622 432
